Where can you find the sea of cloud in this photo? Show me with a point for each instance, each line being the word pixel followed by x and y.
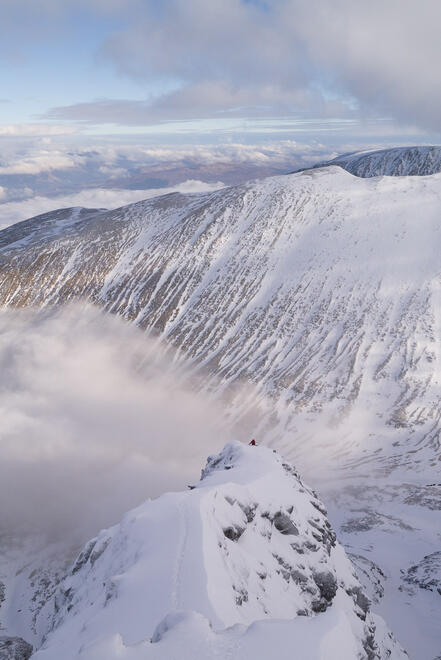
pixel 95 418
pixel 39 174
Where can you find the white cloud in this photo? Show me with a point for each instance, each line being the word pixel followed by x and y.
pixel 251 58
pixel 93 422
pixel 113 172
pixel 382 53
pixel 45 161
pixel 339 58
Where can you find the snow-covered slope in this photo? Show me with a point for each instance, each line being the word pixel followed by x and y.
pixel 318 291
pixel 399 161
pixel 249 545
pixel 320 288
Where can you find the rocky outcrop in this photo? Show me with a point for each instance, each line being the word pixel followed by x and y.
pixel 250 545
pixel 426 574
pixel 14 648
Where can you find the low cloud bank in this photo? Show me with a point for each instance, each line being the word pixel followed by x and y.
pixel 11 212
pixel 94 421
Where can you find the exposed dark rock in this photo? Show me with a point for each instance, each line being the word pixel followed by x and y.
pixel 428 497
pixel 370 519
pixel 319 506
pixel 369 644
pixel 285 568
pixel 298 548
pixel 249 511
pixel 290 470
pixel 324 533
pixel 284 524
pixel 299 578
pixel 370 575
pixel 84 556
pixel 241 596
pixel 360 600
pixel 327 584
pixel 234 532
pixel 97 552
pixel 319 606
pixel 311 546
pixel 426 574
pixel 14 648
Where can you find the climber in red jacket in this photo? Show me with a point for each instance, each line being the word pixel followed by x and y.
pixel 253 442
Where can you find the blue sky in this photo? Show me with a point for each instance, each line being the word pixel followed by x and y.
pixel 60 65
pixel 125 63
pixel 133 94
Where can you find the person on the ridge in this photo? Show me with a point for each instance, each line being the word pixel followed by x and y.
pixel 253 442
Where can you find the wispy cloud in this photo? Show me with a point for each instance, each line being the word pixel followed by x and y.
pixel 287 57
pixel 32 130
pixel 201 101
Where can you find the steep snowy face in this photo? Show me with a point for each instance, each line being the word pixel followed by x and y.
pixel 401 161
pixel 249 543
pixel 320 288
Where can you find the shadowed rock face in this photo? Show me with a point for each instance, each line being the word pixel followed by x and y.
pixel 14 648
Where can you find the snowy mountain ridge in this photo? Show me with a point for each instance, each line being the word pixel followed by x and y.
pixel 243 563
pixel 397 161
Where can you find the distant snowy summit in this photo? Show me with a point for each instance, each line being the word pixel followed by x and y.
pixel 243 565
pixel 401 161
